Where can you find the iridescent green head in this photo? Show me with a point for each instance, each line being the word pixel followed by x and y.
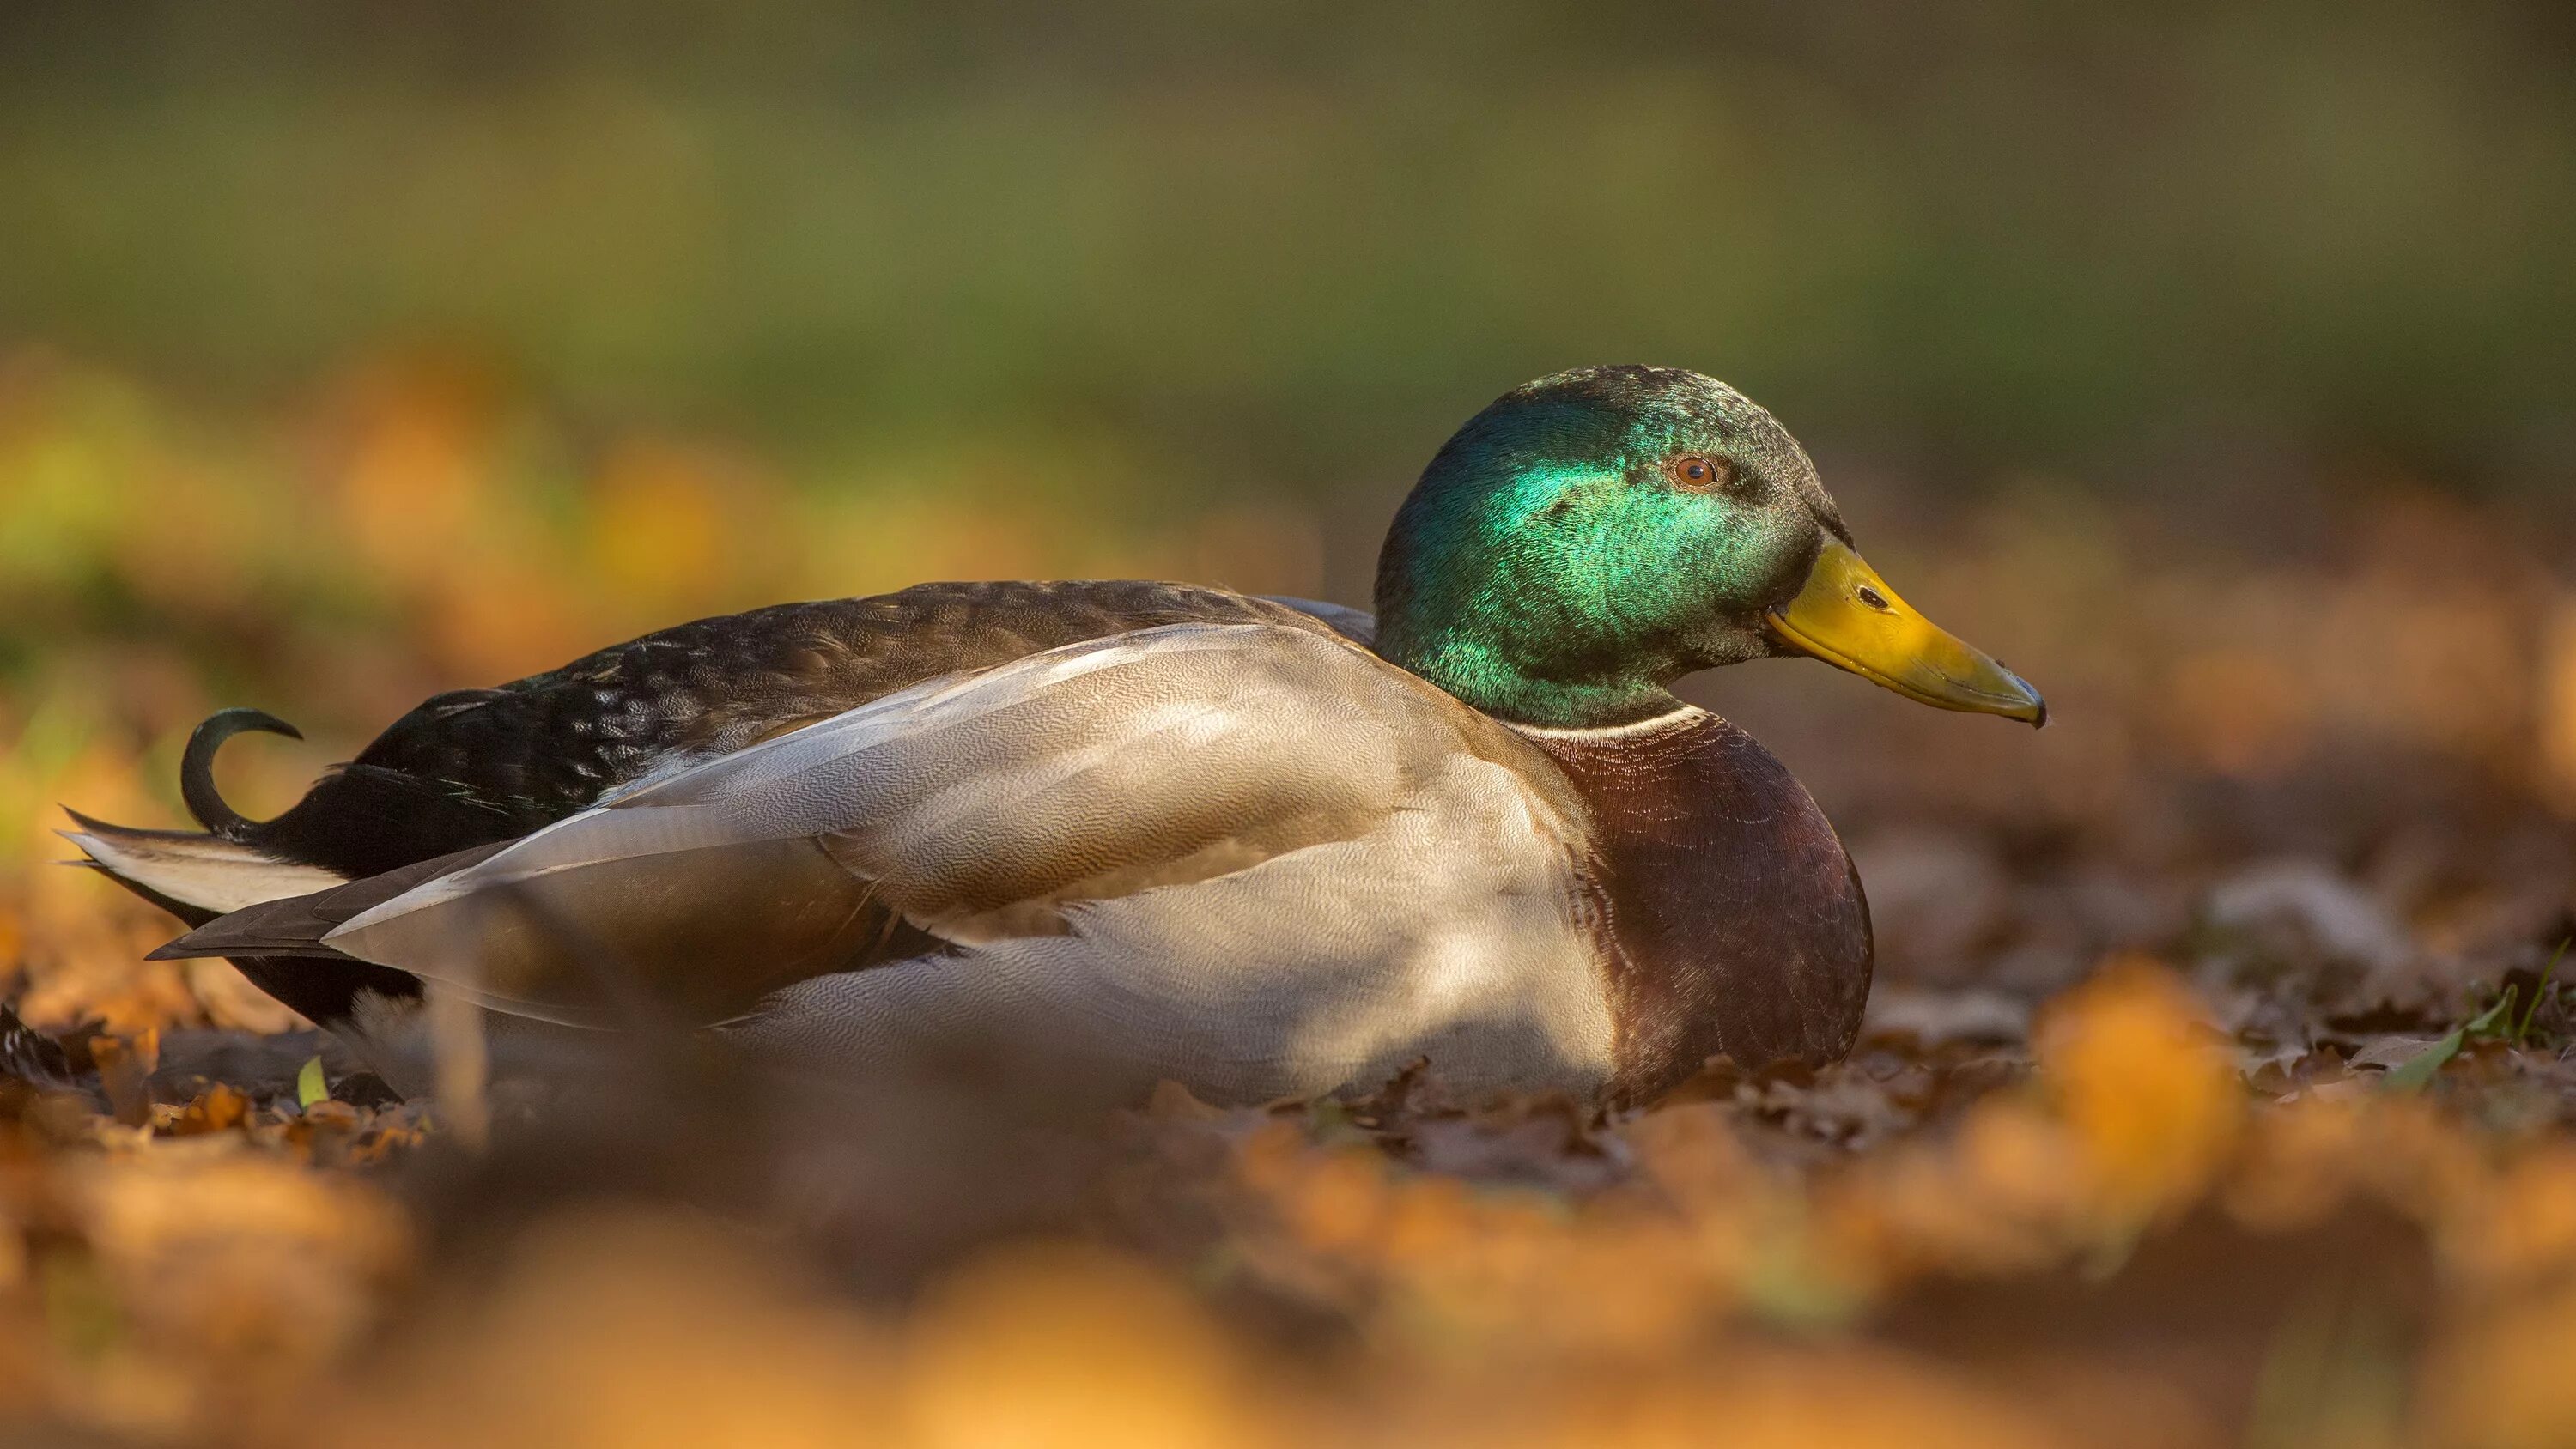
pixel 1593 536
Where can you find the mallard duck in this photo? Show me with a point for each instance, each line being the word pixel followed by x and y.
pixel 1265 847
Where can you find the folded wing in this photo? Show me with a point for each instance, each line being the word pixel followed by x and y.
pixel 965 810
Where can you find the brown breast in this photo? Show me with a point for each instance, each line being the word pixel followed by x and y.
pixel 1730 919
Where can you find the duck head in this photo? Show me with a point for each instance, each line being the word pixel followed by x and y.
pixel 1593 536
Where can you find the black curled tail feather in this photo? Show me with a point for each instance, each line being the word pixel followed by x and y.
pixel 197 767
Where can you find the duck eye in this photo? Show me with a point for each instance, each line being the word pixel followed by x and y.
pixel 1699 473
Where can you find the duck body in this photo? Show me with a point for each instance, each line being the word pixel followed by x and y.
pixel 1177 831
pixel 1550 908
pixel 1438 888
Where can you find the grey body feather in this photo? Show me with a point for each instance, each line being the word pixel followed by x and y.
pixel 1254 859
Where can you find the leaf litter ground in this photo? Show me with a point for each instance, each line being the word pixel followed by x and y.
pixel 2217 1087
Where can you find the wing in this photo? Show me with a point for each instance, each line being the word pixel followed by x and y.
pixel 482 765
pixel 967 809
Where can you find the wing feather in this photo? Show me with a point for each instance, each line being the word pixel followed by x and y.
pixel 973 807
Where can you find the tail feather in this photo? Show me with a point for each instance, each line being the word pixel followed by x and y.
pixel 295 926
pixel 197 766
pixel 192 915
pixel 202 872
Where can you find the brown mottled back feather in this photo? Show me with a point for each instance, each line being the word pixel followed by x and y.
pixel 480 765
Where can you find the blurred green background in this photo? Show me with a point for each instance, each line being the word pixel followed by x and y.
pixel 1217 248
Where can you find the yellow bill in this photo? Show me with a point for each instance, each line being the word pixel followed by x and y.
pixel 1847 616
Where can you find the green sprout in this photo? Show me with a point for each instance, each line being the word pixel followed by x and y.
pixel 2417 1072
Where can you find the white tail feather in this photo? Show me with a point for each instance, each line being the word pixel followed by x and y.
pixel 198 870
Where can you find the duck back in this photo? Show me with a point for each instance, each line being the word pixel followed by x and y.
pixel 476 766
